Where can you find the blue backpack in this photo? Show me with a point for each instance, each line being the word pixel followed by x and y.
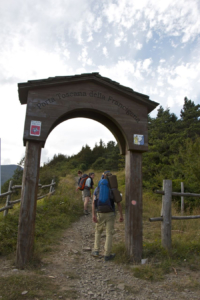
pixel 104 196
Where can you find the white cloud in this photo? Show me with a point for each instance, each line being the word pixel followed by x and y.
pixel 146 63
pixel 105 51
pixel 138 46
pixel 149 35
pixel 83 57
pixel 149 45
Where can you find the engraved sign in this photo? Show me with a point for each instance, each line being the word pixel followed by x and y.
pixel 35 128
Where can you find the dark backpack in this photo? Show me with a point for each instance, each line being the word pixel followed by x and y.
pixel 104 195
pixel 81 183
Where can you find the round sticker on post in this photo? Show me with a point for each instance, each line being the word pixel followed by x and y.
pixel 35 128
pixel 133 202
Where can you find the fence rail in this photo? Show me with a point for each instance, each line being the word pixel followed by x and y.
pixel 9 204
pixel 166 214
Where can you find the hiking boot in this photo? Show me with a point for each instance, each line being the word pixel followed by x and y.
pixel 86 212
pixel 95 253
pixel 110 257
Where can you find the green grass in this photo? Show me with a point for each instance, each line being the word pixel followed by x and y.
pixel 54 214
pixel 11 287
pixel 37 286
pixel 185 251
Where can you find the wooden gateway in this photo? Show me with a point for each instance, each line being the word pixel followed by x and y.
pixel 123 111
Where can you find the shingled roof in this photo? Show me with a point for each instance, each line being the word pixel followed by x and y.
pixel 24 87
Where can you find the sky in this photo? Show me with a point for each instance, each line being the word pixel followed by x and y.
pixel 150 46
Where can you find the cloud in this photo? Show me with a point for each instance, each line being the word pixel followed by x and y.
pixel 105 51
pixel 151 46
pixel 83 57
pixel 139 46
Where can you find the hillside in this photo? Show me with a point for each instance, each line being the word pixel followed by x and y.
pixel 7 171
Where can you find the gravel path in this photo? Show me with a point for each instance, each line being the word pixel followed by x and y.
pixel 75 269
pixel 78 275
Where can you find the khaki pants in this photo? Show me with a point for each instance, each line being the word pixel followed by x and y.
pixel 107 220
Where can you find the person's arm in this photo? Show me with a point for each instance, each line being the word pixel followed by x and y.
pixel 121 219
pixel 94 216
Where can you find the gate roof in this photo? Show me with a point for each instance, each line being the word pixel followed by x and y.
pixel 23 88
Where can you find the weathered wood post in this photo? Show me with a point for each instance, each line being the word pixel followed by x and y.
pixel 8 198
pixel 51 187
pixel 26 228
pixel 166 212
pixel 133 214
pixel 182 198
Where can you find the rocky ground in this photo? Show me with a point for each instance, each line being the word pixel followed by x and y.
pixel 80 276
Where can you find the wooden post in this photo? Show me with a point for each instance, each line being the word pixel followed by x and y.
pixel 166 223
pixel 52 186
pixel 182 198
pixel 8 198
pixel 133 214
pixel 26 228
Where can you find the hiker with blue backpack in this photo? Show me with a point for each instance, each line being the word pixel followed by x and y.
pixel 103 214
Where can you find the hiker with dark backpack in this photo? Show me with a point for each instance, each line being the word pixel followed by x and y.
pixel 103 213
pixel 80 173
pixel 86 184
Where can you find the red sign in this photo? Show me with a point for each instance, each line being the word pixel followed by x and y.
pixel 35 128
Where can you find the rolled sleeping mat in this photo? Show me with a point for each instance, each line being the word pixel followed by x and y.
pixel 117 195
pixel 113 181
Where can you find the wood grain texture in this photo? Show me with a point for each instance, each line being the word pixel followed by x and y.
pixel 166 223
pixel 26 228
pixel 123 115
pixel 133 213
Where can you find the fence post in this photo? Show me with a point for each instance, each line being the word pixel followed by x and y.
pixel 8 199
pixel 51 187
pixel 182 198
pixel 166 223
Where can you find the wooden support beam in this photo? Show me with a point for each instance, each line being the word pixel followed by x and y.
pixel 26 228
pixel 175 218
pixel 6 194
pixel 6 208
pixel 178 194
pixel 166 223
pixel 8 198
pixel 182 198
pixel 133 213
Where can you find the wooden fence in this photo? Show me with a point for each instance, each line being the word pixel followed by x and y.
pixel 9 204
pixel 166 215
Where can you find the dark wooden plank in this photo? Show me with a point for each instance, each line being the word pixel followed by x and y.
pixel 26 226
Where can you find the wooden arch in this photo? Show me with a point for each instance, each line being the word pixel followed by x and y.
pixel 123 111
pixel 96 116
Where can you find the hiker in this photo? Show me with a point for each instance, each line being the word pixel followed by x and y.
pixel 89 184
pixel 80 173
pixel 104 214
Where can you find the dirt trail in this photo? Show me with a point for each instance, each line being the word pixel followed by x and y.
pixel 76 270
pixel 80 276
